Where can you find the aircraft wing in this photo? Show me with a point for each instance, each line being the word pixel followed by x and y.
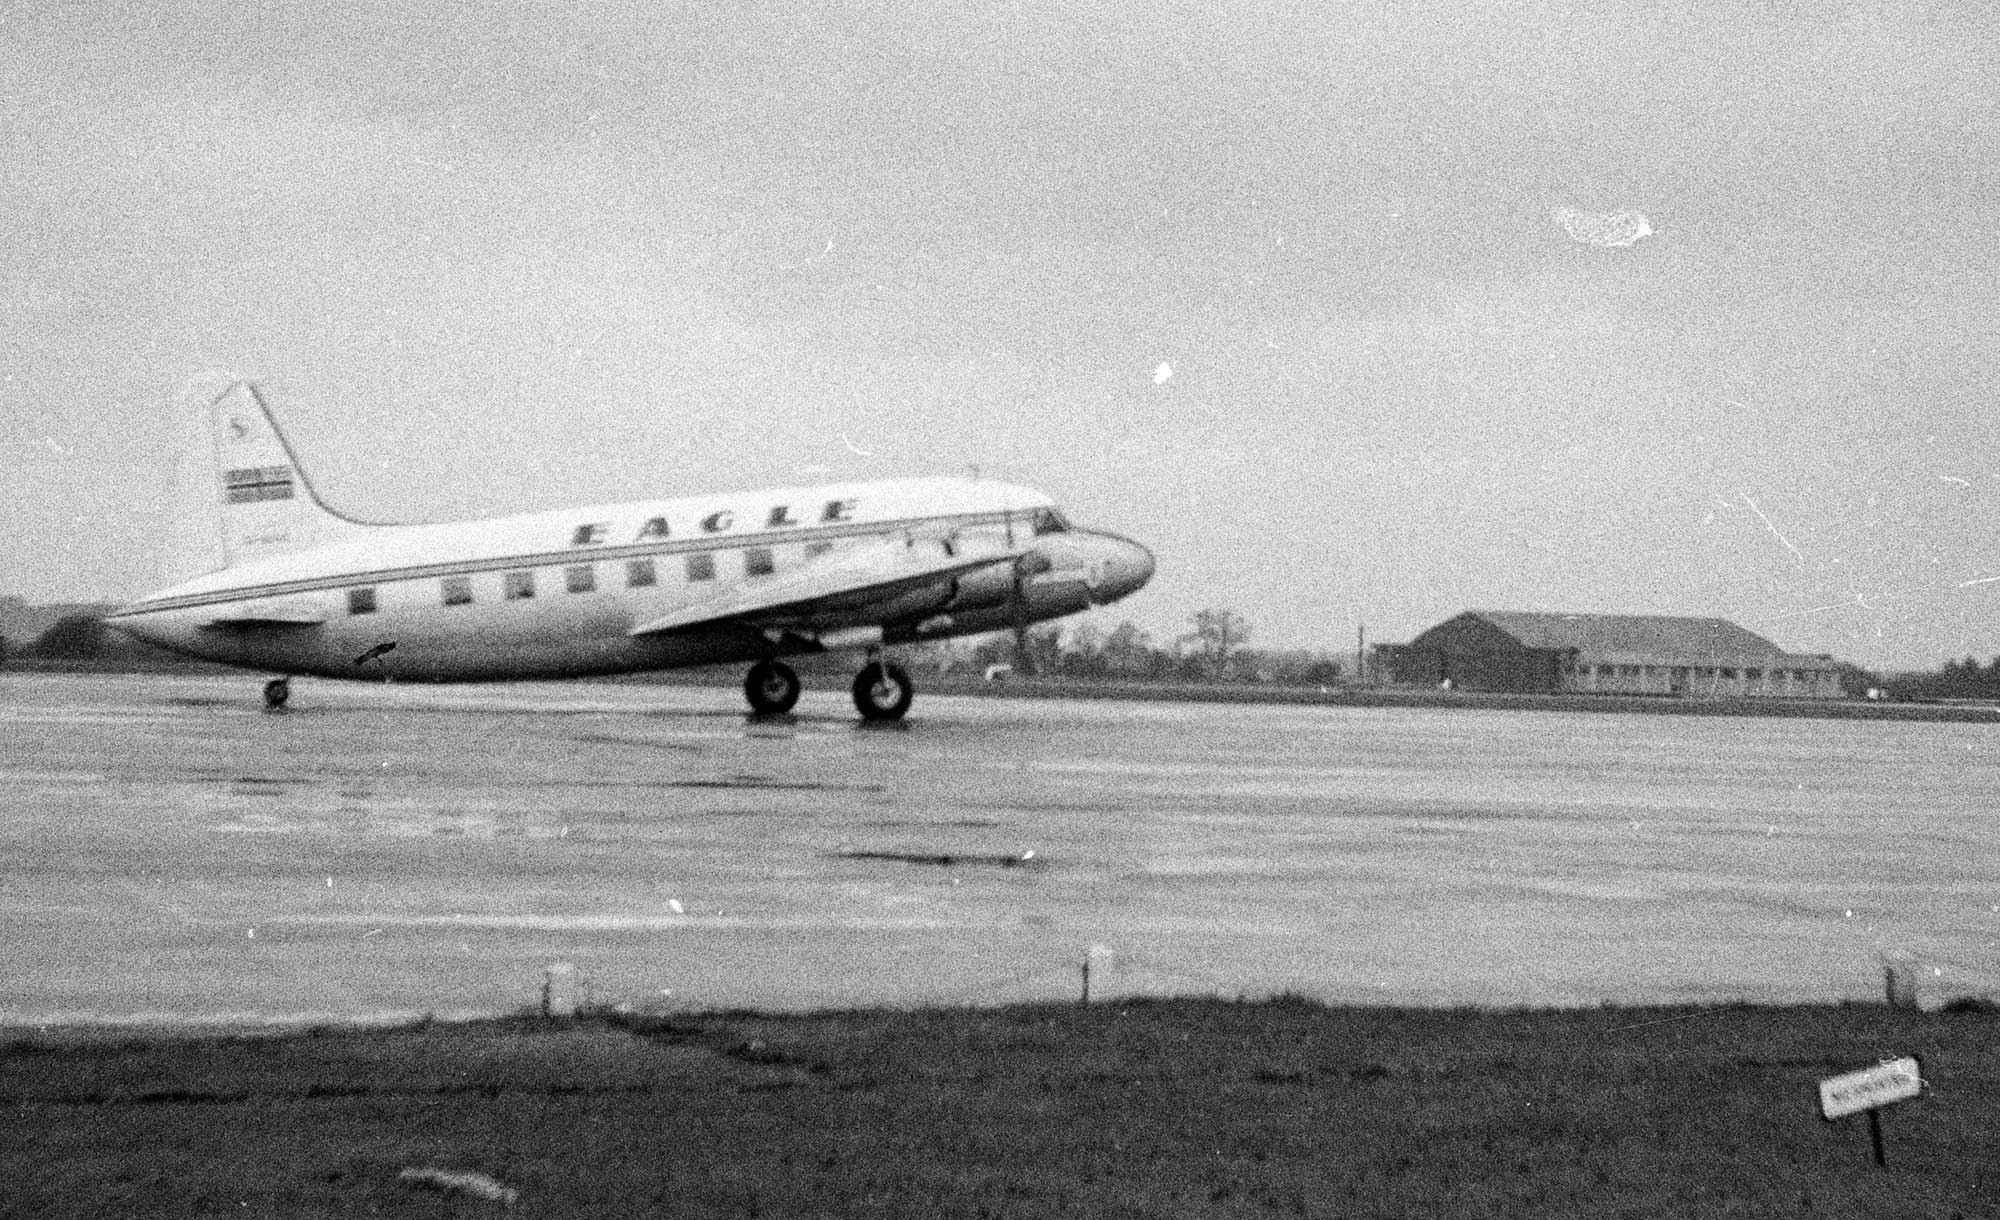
pixel 852 582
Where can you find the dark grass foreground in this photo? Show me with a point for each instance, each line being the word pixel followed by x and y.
pixel 1181 1108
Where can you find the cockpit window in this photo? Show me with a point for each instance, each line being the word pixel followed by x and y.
pixel 1049 521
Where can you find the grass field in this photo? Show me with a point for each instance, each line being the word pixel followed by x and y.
pixel 1458 700
pixel 1165 1108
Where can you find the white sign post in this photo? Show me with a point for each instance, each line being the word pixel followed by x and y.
pixel 1870 1089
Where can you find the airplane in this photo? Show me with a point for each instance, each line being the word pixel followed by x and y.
pixel 748 577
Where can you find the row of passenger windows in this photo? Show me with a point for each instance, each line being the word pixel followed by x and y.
pixel 582 578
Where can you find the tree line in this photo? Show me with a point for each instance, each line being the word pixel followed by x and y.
pixel 1216 650
pixel 1963 679
pixel 73 637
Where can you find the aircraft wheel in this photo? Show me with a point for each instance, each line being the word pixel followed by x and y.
pixel 882 690
pixel 772 688
pixel 276 691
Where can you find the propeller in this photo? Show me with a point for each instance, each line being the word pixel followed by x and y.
pixel 1017 609
pixel 1029 564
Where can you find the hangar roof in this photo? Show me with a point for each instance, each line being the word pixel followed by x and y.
pixel 1637 636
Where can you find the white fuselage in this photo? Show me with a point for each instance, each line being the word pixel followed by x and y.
pixel 571 592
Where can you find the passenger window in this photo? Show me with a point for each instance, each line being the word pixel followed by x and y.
pixel 458 590
pixel 701 566
pixel 361 601
pixel 758 561
pixel 520 586
pixel 639 573
pixel 582 578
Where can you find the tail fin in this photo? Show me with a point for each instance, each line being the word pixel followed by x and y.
pixel 261 497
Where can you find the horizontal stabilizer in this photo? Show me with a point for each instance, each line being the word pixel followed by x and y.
pixel 869 574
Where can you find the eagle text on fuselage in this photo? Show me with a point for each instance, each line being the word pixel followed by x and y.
pixel 653 529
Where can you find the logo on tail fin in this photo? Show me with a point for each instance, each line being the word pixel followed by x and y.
pixel 257 483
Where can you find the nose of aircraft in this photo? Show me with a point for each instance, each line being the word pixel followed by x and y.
pixel 1122 565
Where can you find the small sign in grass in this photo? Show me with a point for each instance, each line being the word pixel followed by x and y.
pixel 1870 1089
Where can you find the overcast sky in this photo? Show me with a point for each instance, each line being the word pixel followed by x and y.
pixel 1672 308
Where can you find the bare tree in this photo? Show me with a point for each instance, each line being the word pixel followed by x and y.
pixel 1218 633
pixel 1044 650
pixel 1128 652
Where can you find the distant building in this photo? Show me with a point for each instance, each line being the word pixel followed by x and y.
pixel 1626 654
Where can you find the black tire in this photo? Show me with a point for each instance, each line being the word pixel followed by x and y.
pixel 882 691
pixel 772 688
pixel 276 691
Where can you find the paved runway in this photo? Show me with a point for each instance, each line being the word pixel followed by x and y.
pixel 168 850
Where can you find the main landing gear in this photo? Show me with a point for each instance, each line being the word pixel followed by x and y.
pixel 276 692
pixel 882 690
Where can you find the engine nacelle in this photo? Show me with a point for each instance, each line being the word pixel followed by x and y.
pixel 1065 591
pixel 912 604
pixel 983 588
